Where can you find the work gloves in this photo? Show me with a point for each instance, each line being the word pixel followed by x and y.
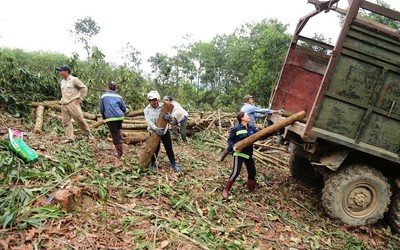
pixel 167 116
pixel 159 131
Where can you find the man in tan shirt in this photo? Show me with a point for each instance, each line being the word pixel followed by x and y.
pixel 73 91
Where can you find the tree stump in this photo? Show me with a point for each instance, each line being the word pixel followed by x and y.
pixel 39 120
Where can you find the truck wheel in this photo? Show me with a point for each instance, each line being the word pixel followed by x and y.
pixel 301 169
pixel 394 214
pixel 356 195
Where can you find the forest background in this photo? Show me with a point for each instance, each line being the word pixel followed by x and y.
pixel 202 75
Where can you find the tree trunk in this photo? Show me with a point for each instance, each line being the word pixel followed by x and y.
pixel 269 130
pixel 39 120
pixel 154 139
pixel 98 123
pixel 57 106
pixel 136 139
pixel 134 126
pixel 135 113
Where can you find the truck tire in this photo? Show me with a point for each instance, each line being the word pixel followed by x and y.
pixel 301 169
pixel 356 195
pixel 394 214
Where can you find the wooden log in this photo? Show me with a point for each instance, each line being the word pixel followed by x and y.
pixel 56 106
pixel 133 113
pixel 133 126
pixel 193 123
pixel 98 123
pixel 127 133
pixel 269 130
pixel 154 139
pixel 44 103
pixel 136 139
pixel 39 120
pixel 135 131
pixel 90 116
pixel 51 105
pixel 141 121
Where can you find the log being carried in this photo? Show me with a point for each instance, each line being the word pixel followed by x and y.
pixel 241 139
pixel 269 130
pixel 157 117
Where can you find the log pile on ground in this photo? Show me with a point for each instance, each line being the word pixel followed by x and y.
pixel 265 151
pixel 134 126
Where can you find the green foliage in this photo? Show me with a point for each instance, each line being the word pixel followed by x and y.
pixel 84 30
pixel 21 83
pixel 12 200
pixel 354 244
pixel 381 19
pixel 35 216
pixel 320 38
pixel 221 71
pixel 201 76
pixel 376 17
pixel 13 171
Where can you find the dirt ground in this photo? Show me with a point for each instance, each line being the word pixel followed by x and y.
pixel 116 204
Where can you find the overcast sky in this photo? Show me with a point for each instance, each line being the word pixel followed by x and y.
pixel 151 26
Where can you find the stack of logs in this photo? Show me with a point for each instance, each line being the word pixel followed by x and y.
pixel 134 126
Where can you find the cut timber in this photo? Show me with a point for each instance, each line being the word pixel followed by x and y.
pixel 135 133
pixel 135 113
pixel 154 139
pixel 134 126
pixel 90 116
pixel 55 105
pixel 98 123
pixel 269 130
pixel 39 120
pixel 48 104
pixel 136 139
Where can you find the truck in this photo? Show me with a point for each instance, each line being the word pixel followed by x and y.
pixel 350 91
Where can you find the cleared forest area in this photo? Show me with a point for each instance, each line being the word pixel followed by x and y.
pixel 103 203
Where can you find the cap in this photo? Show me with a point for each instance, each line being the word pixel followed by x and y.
pixel 153 95
pixel 167 97
pixel 64 68
pixel 247 97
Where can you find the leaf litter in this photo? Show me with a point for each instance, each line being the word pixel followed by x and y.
pixel 112 204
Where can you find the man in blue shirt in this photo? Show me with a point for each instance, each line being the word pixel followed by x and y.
pixel 253 111
pixel 112 108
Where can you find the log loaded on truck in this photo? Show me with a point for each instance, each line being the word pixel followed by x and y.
pixel 350 138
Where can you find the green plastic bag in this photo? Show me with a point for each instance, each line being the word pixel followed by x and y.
pixel 19 146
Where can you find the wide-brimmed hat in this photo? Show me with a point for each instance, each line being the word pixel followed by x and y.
pixel 247 97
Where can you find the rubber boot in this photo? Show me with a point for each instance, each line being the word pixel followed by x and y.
pixel 251 185
pixel 152 165
pixel 175 167
pixel 225 193
pixel 119 151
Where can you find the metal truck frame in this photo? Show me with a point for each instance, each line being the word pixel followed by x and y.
pixel 351 95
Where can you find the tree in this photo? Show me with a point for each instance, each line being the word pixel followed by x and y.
pixel 132 57
pixel 320 38
pixel 381 19
pixel 375 17
pixel 84 30
pixel 161 67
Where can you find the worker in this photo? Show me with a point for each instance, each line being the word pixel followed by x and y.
pixel 73 92
pixel 180 116
pixel 253 111
pixel 112 109
pixel 151 114
pixel 238 133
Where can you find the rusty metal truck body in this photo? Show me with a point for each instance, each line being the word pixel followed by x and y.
pixel 351 95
